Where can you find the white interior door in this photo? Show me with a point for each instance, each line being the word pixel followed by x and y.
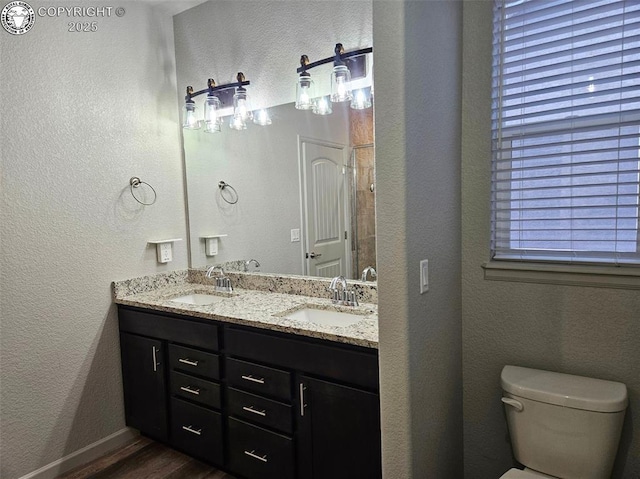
pixel 323 191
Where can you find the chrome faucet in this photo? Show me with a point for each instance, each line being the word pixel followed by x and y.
pixel 247 263
pixel 367 270
pixel 344 296
pixel 223 284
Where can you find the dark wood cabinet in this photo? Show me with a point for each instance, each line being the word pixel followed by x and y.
pixel 258 404
pixel 339 431
pixel 171 373
pixel 143 377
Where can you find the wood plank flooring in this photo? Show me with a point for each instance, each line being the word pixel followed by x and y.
pixel 145 459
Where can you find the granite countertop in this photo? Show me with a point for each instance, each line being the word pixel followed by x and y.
pixel 260 309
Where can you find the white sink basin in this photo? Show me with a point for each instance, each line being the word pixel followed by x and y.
pixel 325 317
pixel 198 298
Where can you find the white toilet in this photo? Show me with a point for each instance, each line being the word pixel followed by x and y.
pixel 562 426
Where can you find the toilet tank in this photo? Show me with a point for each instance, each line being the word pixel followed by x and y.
pixel 563 425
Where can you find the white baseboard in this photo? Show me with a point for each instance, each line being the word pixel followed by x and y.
pixel 84 455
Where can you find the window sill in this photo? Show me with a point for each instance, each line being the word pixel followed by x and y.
pixel 566 274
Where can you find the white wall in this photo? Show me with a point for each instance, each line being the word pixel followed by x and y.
pixel 261 164
pixel 577 330
pixel 417 51
pixel 81 114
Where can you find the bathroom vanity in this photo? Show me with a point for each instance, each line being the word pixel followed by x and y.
pixel 239 385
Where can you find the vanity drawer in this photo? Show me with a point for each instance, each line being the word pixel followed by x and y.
pixel 260 379
pixel 345 363
pixel 256 453
pixel 196 430
pixel 159 326
pixel 195 389
pixel 259 410
pixel 193 361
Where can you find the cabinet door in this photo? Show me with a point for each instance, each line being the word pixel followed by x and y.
pixel 143 377
pixel 339 431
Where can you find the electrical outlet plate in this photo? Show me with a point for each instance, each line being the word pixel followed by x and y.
pixel 164 249
pixel 424 276
pixel 165 252
pixel 211 246
pixel 211 243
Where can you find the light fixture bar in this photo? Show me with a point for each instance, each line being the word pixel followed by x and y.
pixel 219 87
pixel 342 57
pixel 212 87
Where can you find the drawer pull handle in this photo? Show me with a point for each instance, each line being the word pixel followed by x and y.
pixel 254 411
pixel 190 429
pixel 189 390
pixel 302 403
pixel 155 359
pixel 255 456
pixel 188 361
pixel 252 379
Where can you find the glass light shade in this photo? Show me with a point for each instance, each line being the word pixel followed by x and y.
pixel 237 123
pixel 241 105
pixel 361 99
pixel 262 118
pixel 304 93
pixel 340 84
pixel 322 106
pixel 212 118
pixel 189 120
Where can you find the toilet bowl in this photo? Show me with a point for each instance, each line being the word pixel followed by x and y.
pixel 524 474
pixel 562 426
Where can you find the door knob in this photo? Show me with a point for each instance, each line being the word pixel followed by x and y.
pixel 313 255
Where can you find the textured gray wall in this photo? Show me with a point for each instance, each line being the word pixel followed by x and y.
pixel 417 50
pixel 81 114
pixel 577 330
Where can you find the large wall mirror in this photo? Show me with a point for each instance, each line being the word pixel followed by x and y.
pixel 305 184
pixel 300 197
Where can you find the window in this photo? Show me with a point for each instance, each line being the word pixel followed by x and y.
pixel 566 131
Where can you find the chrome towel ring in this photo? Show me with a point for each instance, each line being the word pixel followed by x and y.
pixel 232 192
pixel 135 182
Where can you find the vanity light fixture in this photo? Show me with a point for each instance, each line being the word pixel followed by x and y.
pixel 305 92
pixel 344 66
pixel 219 97
pixel 262 118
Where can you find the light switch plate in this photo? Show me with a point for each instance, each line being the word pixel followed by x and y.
pixel 424 276
pixel 295 235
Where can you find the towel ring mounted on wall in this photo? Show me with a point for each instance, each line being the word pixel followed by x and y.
pixel 135 182
pixel 224 186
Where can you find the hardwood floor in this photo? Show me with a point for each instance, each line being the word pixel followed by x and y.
pixel 145 459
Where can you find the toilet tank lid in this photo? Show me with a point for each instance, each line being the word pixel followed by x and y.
pixel 565 390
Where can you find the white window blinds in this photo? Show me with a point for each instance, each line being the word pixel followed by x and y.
pixel 566 131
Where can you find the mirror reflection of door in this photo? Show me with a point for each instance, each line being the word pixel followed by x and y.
pixel 324 209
